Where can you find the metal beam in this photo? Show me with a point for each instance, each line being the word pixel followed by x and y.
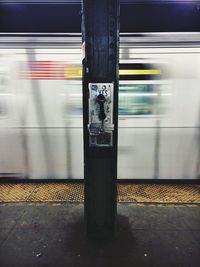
pixel 100 27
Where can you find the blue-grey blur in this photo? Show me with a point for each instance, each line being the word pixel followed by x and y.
pixel 41 134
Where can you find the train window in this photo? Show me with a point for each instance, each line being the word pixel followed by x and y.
pixel 72 98
pixel 137 99
pixel 3 78
pixel 3 112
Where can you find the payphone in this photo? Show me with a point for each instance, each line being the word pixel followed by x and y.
pixel 100 114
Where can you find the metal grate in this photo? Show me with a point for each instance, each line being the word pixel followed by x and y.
pixel 74 192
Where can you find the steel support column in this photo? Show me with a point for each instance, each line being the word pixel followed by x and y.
pixel 100 28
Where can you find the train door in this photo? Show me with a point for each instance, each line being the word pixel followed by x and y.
pixel 53 114
pixel 137 132
pixel 11 146
pixel 179 138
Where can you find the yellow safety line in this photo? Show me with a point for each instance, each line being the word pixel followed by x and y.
pixel 74 192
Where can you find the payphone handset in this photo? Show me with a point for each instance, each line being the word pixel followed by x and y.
pixel 100 114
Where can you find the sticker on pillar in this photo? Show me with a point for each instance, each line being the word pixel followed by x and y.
pixel 100 114
pixel 83 50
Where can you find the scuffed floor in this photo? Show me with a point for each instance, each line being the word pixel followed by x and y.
pixel 52 235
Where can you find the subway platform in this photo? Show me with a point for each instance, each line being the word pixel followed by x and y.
pixel 42 224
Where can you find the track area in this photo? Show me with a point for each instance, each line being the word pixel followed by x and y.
pixel 74 192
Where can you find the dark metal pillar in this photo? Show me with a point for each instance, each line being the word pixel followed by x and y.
pixel 100 28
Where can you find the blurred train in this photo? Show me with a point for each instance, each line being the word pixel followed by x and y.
pixel 41 134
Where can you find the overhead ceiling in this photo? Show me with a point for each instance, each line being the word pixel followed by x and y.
pixel 64 16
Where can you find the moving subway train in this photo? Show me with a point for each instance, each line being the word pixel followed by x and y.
pixel 41 133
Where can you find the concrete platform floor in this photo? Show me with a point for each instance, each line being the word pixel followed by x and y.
pixel 52 235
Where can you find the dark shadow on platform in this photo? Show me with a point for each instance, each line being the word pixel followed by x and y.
pixel 102 252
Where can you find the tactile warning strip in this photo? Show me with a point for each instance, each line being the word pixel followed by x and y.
pixel 74 192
